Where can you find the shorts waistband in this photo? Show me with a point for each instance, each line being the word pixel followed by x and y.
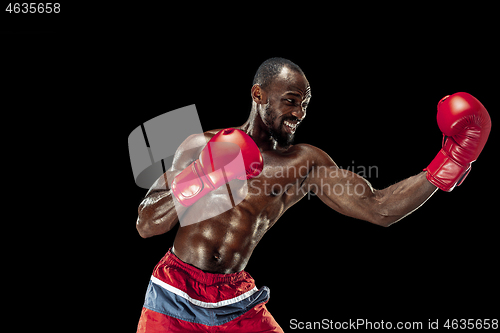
pixel 170 259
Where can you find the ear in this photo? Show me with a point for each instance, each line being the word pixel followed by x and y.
pixel 259 96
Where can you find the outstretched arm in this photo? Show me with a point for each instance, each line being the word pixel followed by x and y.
pixel 465 124
pixel 352 195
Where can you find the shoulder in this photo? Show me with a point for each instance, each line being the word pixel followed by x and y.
pixel 190 149
pixel 211 133
pixel 314 155
pixel 197 140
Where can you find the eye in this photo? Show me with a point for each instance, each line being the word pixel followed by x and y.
pixel 289 100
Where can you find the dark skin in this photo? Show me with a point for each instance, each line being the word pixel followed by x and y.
pixel 224 243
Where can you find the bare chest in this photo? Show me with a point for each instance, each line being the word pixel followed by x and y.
pixel 260 200
pixel 277 188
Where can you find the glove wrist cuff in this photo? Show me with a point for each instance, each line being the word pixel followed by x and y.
pixel 189 185
pixel 446 173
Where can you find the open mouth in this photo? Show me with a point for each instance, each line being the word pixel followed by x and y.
pixel 290 127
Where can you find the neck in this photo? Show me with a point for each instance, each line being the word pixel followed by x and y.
pixel 258 131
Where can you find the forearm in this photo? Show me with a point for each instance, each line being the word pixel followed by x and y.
pixel 397 201
pixel 158 214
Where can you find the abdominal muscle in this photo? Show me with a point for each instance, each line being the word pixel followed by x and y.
pixel 222 244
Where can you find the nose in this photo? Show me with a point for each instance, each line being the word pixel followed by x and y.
pixel 300 113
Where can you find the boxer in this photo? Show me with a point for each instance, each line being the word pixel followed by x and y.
pixel 200 285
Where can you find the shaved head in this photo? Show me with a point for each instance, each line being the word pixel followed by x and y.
pixel 271 69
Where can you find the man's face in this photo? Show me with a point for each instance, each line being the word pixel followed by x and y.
pixel 288 97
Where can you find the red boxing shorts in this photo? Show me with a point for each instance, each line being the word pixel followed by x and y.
pixel 182 298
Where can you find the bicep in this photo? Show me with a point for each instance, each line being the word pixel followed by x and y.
pixel 340 189
pixel 347 193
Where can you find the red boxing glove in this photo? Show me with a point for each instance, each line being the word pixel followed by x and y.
pixel 465 124
pixel 218 164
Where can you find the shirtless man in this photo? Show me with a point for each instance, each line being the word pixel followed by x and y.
pixel 200 284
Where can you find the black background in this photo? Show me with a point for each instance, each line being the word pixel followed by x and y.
pixel 75 86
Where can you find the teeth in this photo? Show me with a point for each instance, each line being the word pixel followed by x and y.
pixel 289 124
